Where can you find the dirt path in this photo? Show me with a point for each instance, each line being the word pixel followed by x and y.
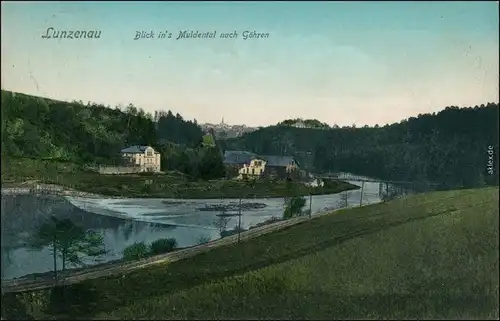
pixel 120 268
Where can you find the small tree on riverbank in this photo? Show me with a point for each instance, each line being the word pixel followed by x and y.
pixel 67 241
pixel 221 223
pixel 344 198
pixel 136 251
pixel 163 246
pixel 203 239
pixel 294 207
pixel 140 250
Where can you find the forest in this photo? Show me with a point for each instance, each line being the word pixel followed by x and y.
pixel 450 148
pixel 41 128
pixel 456 147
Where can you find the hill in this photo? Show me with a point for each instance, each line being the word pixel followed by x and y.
pixel 450 147
pixel 304 123
pixel 429 256
pixel 54 142
pixel 42 128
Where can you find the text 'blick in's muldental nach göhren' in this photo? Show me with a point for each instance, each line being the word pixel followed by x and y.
pixel 195 34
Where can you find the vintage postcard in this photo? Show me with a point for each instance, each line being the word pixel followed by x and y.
pixel 250 160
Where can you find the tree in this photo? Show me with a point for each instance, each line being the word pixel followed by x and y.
pixel 221 222
pixel 344 198
pixel 392 193
pixel 208 140
pixel 163 246
pixel 294 207
pixel 136 251
pixel 203 239
pixel 223 134
pixel 211 165
pixel 67 241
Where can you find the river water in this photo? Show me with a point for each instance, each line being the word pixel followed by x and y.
pixel 123 222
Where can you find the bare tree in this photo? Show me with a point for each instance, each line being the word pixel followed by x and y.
pixel 203 239
pixel 344 198
pixel 221 223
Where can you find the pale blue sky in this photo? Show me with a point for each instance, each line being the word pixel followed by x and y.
pixel 339 62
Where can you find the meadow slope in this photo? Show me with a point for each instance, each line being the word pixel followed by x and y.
pixel 432 255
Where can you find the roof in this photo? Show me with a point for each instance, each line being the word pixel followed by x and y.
pixel 244 157
pixel 136 149
pixel 238 157
pixel 278 161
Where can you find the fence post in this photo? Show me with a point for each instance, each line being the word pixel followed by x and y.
pixel 55 258
pixel 361 198
pixel 310 205
pixel 239 222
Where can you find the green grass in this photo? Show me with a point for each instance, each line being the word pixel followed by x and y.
pixel 169 185
pixel 429 256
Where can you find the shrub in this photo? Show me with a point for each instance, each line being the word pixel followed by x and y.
pixel 73 301
pixel 163 246
pixel 294 206
pixel 136 251
pixel 231 232
pixel 203 239
pixel 13 308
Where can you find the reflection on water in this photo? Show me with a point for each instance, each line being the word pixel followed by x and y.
pixel 125 221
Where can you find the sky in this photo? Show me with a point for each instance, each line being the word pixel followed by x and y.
pixel 343 63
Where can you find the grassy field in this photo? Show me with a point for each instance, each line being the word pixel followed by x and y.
pixel 169 185
pixel 432 255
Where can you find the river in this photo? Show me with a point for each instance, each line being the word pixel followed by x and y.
pixel 123 222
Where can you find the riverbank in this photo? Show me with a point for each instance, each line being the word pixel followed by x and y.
pixel 294 273
pixel 41 281
pixel 72 271
pixel 76 178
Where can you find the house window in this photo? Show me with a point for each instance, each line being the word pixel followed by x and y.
pixel 149 153
pixel 253 171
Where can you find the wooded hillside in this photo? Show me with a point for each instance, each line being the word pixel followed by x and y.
pixel 41 128
pixel 449 147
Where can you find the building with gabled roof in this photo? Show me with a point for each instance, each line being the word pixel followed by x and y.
pixel 241 163
pixel 144 157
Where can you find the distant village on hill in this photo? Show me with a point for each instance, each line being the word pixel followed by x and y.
pixel 223 130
